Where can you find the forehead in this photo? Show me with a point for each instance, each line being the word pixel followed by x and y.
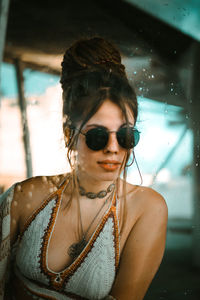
pixel 111 112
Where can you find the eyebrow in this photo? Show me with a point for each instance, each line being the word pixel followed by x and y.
pixel 129 123
pixel 94 125
pixel 99 125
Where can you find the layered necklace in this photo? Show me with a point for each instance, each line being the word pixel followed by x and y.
pixel 76 248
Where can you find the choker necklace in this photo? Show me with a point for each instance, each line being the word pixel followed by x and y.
pixel 100 194
pixel 76 248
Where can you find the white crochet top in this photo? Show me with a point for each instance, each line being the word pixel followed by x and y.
pixel 90 276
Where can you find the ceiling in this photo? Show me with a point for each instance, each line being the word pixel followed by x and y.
pixel 38 33
pixel 181 14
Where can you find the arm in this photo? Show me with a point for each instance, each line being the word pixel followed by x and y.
pixel 16 205
pixel 143 251
pixel 5 217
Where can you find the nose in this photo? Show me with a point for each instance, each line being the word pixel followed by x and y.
pixel 112 145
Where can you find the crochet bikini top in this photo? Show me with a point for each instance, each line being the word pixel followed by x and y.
pixel 90 276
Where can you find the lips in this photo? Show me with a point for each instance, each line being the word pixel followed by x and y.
pixel 109 165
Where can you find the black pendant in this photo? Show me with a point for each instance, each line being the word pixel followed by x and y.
pixel 76 248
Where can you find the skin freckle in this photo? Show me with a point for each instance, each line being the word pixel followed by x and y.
pixel 56 179
pixel 19 187
pixel 44 179
pixel 51 183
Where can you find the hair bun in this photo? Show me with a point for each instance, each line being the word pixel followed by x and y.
pixel 94 54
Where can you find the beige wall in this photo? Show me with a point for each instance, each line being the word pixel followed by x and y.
pixel 47 145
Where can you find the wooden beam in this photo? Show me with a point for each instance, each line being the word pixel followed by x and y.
pixel 35 66
pixel 4 6
pixel 195 124
pixel 22 105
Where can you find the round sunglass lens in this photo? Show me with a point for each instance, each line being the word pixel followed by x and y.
pixel 128 137
pixel 124 138
pixel 96 139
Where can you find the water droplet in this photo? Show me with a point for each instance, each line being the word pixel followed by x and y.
pixel 135 72
pixel 143 70
pixel 28 205
pixel 171 89
pixel 19 187
pixel 140 89
pixel 31 186
pixel 51 190
pixel 197 164
pixel 152 76
pixel 15 203
pixel 30 194
pixel 14 221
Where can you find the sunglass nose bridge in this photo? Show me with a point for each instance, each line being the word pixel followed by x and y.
pixel 112 131
pixel 112 144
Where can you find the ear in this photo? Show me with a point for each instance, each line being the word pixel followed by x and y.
pixel 69 134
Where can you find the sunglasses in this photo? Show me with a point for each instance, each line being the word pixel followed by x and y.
pixel 97 138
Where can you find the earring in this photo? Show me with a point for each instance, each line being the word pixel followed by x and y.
pixel 129 165
pixel 134 159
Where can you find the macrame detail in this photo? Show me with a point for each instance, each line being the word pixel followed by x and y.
pixel 94 269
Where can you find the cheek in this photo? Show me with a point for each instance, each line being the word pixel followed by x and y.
pixel 87 161
pixel 84 155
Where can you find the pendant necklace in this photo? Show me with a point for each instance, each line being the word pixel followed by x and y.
pixel 76 248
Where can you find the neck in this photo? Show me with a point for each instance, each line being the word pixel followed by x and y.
pixel 91 184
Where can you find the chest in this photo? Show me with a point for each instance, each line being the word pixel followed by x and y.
pixel 42 252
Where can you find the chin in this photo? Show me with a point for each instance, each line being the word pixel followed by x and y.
pixel 108 176
pixel 100 174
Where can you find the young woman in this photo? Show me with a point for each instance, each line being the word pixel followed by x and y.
pixel 88 234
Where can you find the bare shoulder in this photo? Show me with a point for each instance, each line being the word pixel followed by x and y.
pixel 144 202
pixel 30 194
pixel 37 188
pixel 152 207
pixel 150 198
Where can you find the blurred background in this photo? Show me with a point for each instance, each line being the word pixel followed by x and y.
pixel 160 45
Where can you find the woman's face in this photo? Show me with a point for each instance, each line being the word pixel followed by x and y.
pixel 105 164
